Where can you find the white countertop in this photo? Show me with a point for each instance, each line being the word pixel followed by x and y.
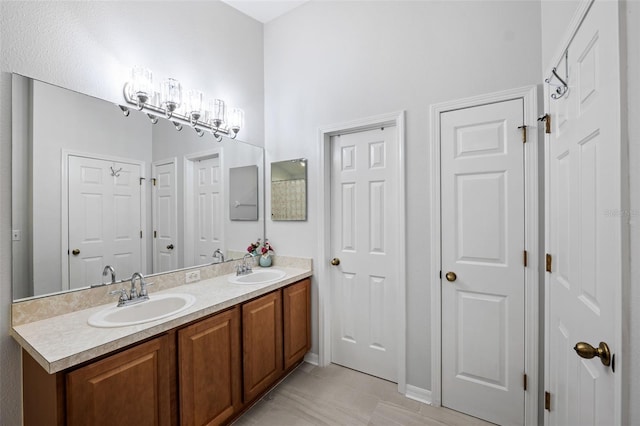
pixel 67 340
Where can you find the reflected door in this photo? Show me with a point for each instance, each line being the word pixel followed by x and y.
pixel 208 213
pixel 165 218
pixel 104 219
pixel 364 284
pixel 584 223
pixel 482 261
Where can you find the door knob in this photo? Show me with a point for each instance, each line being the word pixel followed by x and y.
pixel 585 350
pixel 75 252
pixel 335 261
pixel 170 247
pixel 451 276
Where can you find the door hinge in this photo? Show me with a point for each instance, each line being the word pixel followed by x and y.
pixel 155 234
pixel 440 274
pixel 547 122
pixel 547 401
pixel 524 381
pixel 547 262
pixel 140 234
pixel 525 259
pixel 524 133
pixel 153 180
pixel 141 179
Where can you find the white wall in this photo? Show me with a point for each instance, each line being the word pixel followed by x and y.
pixel 556 16
pixel 89 47
pixel 329 62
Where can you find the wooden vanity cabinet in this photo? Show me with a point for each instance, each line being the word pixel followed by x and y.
pixel 209 363
pixel 131 387
pixel 296 302
pixel 205 373
pixel 262 343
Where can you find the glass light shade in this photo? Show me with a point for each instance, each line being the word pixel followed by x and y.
pixel 236 119
pixel 219 112
pixel 141 84
pixel 171 94
pixel 194 103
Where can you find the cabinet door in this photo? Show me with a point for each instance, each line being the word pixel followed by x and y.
pixel 210 369
pixel 262 343
pixel 128 388
pixel 296 300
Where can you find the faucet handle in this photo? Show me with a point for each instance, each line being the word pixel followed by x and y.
pixel 123 295
pixel 143 288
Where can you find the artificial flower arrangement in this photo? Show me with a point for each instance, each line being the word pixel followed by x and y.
pixel 257 248
pixel 266 250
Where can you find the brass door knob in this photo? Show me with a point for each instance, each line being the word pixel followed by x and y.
pixel 451 276
pixel 335 261
pixel 75 252
pixel 170 247
pixel 585 350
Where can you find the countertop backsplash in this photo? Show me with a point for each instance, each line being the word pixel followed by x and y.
pixel 26 311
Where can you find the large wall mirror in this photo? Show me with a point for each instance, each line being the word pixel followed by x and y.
pixel 93 187
pixel 289 190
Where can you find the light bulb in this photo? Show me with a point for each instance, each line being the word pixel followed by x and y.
pixel 141 84
pixel 194 104
pixel 171 94
pixel 236 119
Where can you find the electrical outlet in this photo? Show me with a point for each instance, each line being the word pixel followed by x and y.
pixel 192 276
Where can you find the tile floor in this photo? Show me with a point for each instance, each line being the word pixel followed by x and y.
pixel 336 395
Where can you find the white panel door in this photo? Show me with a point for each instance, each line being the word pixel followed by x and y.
pixel 127 219
pixel 482 157
pixel 208 209
pixel 165 218
pixel 584 226
pixel 104 219
pixel 364 285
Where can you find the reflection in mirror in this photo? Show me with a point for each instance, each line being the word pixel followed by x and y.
pixel 93 188
pixel 243 193
pixel 289 190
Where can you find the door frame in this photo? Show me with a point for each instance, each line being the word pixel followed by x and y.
pixel 324 238
pixel 64 215
pixel 189 198
pixel 533 235
pixel 154 165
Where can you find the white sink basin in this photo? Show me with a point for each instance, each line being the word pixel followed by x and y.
pixel 258 276
pixel 157 307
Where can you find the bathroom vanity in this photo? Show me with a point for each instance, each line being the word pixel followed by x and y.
pixel 205 365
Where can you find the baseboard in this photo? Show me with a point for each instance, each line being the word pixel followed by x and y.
pixel 311 358
pixel 418 394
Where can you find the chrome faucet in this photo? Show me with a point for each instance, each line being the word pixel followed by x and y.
pixel 218 255
pixel 245 267
pixel 134 296
pixel 106 271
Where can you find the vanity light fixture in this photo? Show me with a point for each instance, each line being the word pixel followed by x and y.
pixel 190 109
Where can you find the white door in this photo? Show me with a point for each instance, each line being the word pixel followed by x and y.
pixel 483 294
pixel 208 209
pixel 364 284
pixel 104 219
pixel 165 217
pixel 584 226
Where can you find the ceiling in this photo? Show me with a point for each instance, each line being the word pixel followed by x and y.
pixel 264 10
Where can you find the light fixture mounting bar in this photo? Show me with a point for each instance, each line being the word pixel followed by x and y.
pixel 175 117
